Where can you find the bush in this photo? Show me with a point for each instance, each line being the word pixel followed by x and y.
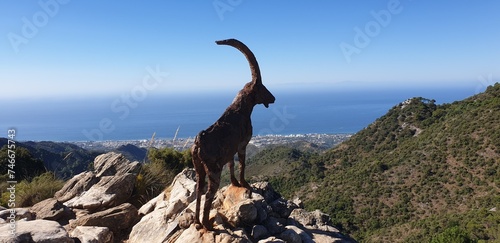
pixel 162 166
pixel 31 192
pixel 452 235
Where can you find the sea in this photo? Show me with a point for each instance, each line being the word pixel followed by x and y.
pixel 122 117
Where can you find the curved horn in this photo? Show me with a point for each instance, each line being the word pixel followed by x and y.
pixel 254 66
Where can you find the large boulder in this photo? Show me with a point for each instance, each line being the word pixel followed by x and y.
pixel 50 209
pixel 45 231
pixel 116 219
pixel 112 163
pixel 317 225
pixel 162 213
pixel 76 185
pixel 110 184
pixel 108 192
pixel 310 219
pixel 238 206
pixel 92 234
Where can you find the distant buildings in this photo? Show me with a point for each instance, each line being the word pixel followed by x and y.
pixel 324 140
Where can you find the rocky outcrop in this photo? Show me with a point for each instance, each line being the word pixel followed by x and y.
pixel 162 217
pixel 35 231
pixel 94 207
pixel 91 207
pixel 237 216
pixel 116 219
pixel 110 184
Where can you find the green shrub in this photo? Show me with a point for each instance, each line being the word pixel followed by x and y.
pixel 155 175
pixel 31 192
pixel 452 235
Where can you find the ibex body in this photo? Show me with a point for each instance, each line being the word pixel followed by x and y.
pixel 230 134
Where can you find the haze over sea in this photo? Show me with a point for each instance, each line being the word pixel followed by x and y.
pixel 294 112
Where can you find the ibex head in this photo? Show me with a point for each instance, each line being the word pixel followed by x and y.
pixel 260 92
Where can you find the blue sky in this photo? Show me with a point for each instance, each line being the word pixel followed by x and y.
pixel 66 48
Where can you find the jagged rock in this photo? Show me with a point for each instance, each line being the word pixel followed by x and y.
pixel 275 225
pixel 108 192
pixel 92 234
pixel 192 235
pixel 186 219
pixel 161 223
pixel 20 214
pixel 111 164
pixel 262 211
pixel 305 238
pixel 290 236
pixel 260 232
pixel 116 219
pixel 76 185
pixel 283 207
pixel 45 231
pixel 110 184
pixel 317 225
pixel 239 208
pixel 153 227
pixel 50 209
pixel 326 238
pixel 298 202
pixel 243 213
pixel 310 218
pixel 266 190
pixel 230 237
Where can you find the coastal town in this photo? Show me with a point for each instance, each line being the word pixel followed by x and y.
pixel 322 140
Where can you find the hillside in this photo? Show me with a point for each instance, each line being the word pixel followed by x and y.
pixel 64 159
pixel 420 172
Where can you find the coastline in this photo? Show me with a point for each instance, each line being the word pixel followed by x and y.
pixel 320 139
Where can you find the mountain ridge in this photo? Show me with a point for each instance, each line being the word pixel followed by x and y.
pixel 419 161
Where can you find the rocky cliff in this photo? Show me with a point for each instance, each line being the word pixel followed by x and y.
pixel 94 206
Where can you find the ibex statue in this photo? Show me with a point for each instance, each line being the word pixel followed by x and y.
pixel 230 134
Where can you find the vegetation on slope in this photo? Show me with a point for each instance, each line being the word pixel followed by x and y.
pixel 275 165
pixel 416 173
pixel 63 159
pixel 422 172
pixel 159 171
pixel 34 182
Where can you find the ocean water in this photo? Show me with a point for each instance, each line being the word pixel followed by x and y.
pixel 116 118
